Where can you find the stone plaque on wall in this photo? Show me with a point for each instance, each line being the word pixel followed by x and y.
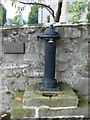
pixel 14 48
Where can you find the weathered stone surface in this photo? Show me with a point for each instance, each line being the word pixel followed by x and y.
pixel 61 31
pixel 9 66
pixel 34 80
pixel 70 57
pixel 7 99
pixel 0 90
pixel 16 83
pixel 82 110
pixel 33 73
pixel 33 57
pixel 0 83
pixel 72 32
pixel 11 57
pixel 64 98
pixel 8 73
pixel 17 110
pixel 0 102
pixel 19 83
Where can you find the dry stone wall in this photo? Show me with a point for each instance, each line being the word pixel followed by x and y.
pixel 18 70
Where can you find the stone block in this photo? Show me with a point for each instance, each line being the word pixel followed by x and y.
pixel 19 83
pixel 34 80
pixel 72 32
pixel 0 83
pixel 12 66
pixel 64 98
pixel 6 100
pixel 33 57
pixel 32 73
pixel 17 110
pixel 0 101
pixel 15 83
pixel 80 111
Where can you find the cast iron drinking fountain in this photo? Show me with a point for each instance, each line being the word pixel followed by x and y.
pixel 46 100
pixel 49 82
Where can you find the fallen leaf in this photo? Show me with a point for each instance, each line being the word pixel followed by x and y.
pixel 4 114
pixel 19 99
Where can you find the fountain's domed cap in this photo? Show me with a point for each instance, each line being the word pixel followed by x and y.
pixel 50 33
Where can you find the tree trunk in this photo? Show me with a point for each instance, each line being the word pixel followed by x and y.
pixel 58 12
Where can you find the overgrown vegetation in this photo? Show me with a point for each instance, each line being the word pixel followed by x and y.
pixel 88 17
pixel 77 8
pixel 56 16
pixel 13 22
pixel 33 15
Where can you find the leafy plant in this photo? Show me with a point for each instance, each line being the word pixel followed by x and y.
pixel 76 8
pixel 13 22
pixel 1 15
pixel 33 16
pixel 88 17
pixel 22 5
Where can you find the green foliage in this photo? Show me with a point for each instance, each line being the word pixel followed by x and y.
pixel 24 22
pixel 76 8
pixel 33 16
pixel 13 22
pixel 2 15
pixel 88 17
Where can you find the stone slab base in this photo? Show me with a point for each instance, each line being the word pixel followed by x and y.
pixel 18 112
pixel 65 98
pixel 80 111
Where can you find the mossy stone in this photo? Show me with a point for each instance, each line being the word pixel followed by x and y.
pixel 81 110
pixel 17 110
pixel 64 98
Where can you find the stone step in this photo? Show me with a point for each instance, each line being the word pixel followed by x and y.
pixel 17 111
pixel 81 111
pixel 66 98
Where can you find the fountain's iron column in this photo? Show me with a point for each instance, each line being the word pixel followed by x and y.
pixel 49 82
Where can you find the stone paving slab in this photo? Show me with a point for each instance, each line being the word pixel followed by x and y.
pixel 17 110
pixel 35 98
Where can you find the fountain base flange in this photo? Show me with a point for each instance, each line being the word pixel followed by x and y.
pixel 57 88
